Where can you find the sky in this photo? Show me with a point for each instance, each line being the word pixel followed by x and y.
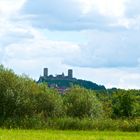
pixel 98 39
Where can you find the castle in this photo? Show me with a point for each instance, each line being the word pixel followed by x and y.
pixel 60 76
pixel 62 82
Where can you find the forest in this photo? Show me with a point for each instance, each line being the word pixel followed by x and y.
pixel 26 104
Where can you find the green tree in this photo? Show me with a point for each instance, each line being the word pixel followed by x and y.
pixel 82 103
pixel 49 102
pixel 123 104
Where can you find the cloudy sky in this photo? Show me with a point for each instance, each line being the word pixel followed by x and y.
pixel 98 39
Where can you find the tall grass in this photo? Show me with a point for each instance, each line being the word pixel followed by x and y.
pixel 88 124
pixel 38 122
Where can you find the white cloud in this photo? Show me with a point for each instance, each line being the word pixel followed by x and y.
pixel 132 8
pixel 40 47
pixel 112 39
pixel 109 49
pixel 78 14
pixel 27 50
pixel 9 7
pixel 128 78
pixel 74 14
pixel 104 7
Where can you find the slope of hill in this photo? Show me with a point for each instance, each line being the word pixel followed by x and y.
pixel 64 83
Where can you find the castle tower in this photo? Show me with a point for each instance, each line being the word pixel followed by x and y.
pixel 70 73
pixel 45 72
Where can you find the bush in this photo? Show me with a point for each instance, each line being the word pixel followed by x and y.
pixel 130 125
pixel 16 94
pixel 90 124
pixel 123 104
pixel 82 103
pixel 49 103
pixel 34 122
pixel 20 96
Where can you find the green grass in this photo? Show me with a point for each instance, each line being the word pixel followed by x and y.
pixel 66 135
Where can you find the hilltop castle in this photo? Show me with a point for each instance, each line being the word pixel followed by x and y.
pixel 46 76
pixel 70 74
pixel 62 82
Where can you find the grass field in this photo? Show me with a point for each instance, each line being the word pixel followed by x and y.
pixel 66 135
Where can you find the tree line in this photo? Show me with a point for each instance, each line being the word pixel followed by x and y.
pixel 27 104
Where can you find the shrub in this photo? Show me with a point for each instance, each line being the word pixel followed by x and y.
pixel 123 104
pixel 34 122
pixel 82 103
pixel 68 123
pixel 49 103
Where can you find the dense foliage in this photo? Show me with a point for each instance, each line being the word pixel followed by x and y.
pixel 20 96
pixel 82 103
pixel 26 104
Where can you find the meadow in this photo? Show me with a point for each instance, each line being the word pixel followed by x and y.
pixel 66 135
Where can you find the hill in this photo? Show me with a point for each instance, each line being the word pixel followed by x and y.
pixel 63 82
